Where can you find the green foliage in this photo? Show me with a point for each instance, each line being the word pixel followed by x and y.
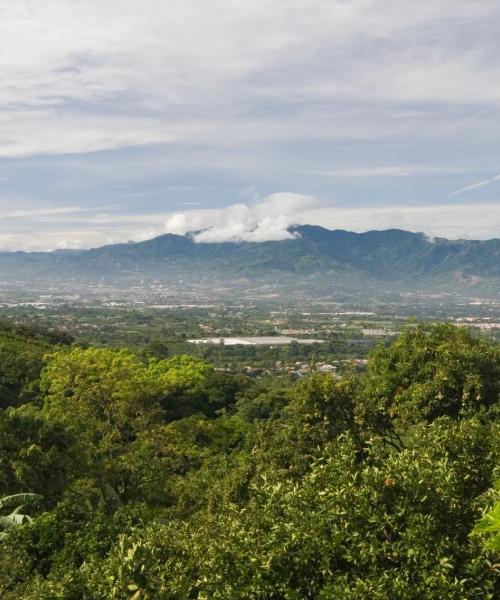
pixel 22 349
pixel 116 405
pixel 16 517
pixel 18 499
pixel 96 389
pixel 262 405
pixel 36 454
pixel 21 361
pixel 34 333
pixel 431 370
pixel 489 527
pixel 321 407
pixel 168 479
pixel 392 526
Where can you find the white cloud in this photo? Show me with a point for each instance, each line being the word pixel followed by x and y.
pixel 24 133
pixel 34 240
pixel 271 218
pixel 267 219
pixel 88 75
pixel 342 99
pixel 48 213
pixel 263 221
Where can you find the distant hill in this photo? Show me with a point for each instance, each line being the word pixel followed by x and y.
pixel 315 260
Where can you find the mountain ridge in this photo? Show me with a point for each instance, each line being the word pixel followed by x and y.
pixel 392 256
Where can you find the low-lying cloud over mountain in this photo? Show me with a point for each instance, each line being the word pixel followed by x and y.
pixel 266 219
pixel 271 218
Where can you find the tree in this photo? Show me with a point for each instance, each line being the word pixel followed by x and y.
pixel 116 405
pixel 431 370
pixel 393 525
pixel 37 454
pixel 99 391
pixel 167 479
pixel 105 398
pixel 21 361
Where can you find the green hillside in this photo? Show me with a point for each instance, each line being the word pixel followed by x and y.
pixel 126 477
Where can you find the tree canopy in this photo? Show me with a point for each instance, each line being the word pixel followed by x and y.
pixel 168 479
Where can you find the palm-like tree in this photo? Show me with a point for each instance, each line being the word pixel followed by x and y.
pixel 17 516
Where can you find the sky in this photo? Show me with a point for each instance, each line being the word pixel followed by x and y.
pixel 121 120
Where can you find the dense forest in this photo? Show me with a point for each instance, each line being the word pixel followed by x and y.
pixel 129 476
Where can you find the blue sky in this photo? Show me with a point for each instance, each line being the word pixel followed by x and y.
pixel 122 120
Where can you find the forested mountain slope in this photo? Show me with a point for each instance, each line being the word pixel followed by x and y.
pixel 391 257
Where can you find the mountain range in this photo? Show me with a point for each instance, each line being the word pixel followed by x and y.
pixel 315 258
